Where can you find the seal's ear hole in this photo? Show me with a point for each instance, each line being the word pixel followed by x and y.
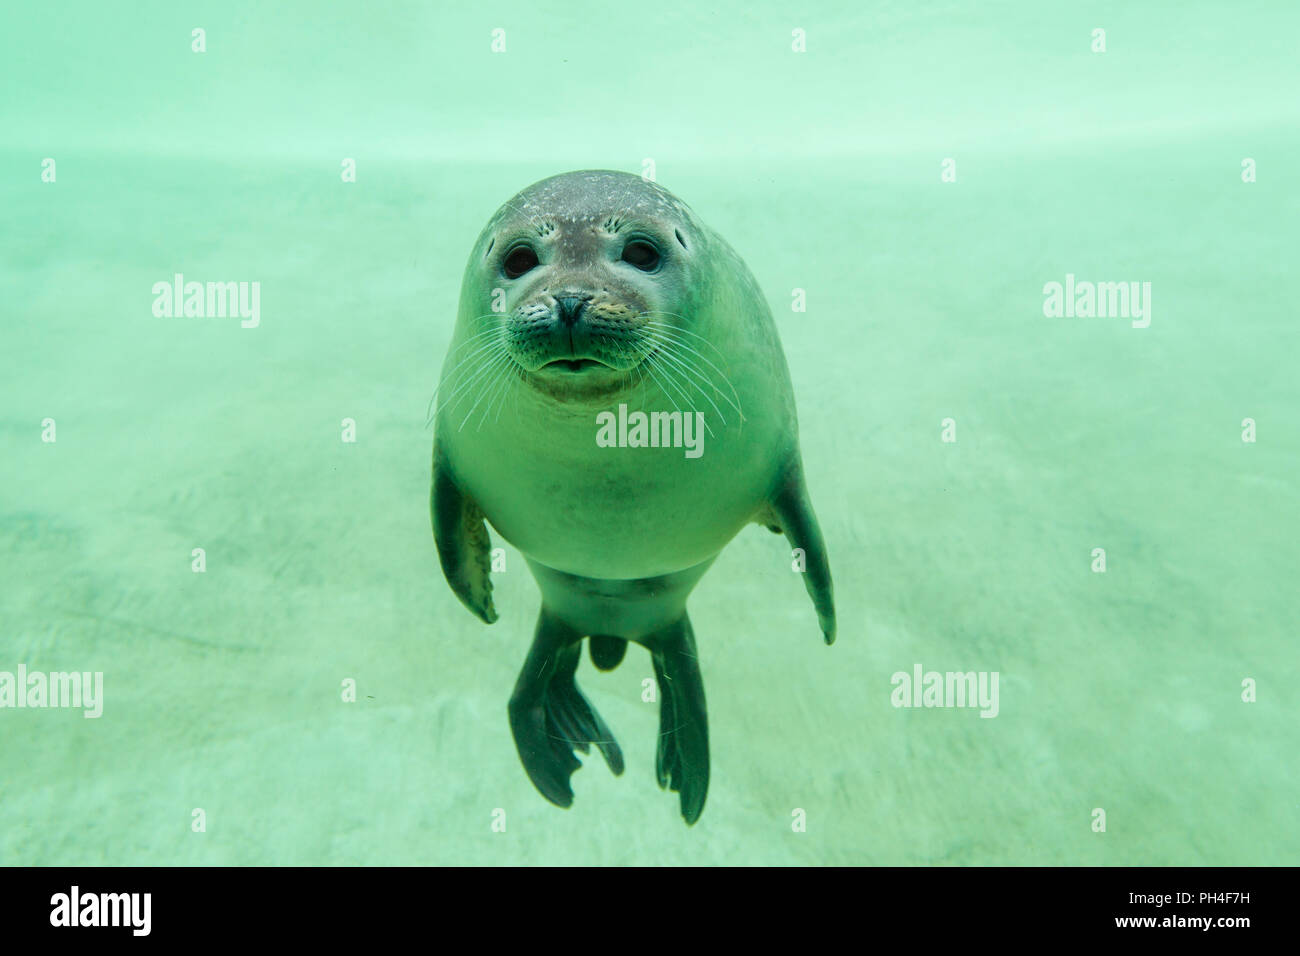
pixel 680 240
pixel 519 260
pixel 489 248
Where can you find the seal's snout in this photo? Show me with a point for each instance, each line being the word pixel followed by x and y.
pixel 570 327
pixel 568 308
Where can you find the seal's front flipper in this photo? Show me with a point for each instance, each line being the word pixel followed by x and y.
pixel 793 514
pixel 550 717
pixel 682 760
pixel 462 539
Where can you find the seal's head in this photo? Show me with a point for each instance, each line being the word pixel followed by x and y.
pixel 587 273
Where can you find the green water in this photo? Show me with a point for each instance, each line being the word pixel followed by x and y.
pixel 1120 691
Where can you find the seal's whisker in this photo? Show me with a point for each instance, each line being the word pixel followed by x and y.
pixel 625 349
pixel 646 367
pixel 496 329
pixel 486 315
pixel 668 332
pixel 514 392
pixel 474 340
pixel 498 339
pixel 675 333
pixel 667 373
pixel 486 365
pixel 620 348
pixel 656 360
pixel 650 368
pixel 498 391
pixel 672 349
pixel 496 364
pixel 509 394
pixel 638 367
pixel 691 376
pixel 491 392
pixel 483 353
pixel 682 328
pixel 456 379
pixel 640 380
pixel 697 377
pixel 459 383
pixel 678 333
pixel 502 392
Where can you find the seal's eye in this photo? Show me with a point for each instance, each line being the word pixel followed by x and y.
pixel 641 254
pixel 519 260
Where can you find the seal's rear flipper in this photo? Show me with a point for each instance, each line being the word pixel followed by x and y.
pixel 682 760
pixel 793 514
pixel 549 716
pixel 462 539
pixel 607 652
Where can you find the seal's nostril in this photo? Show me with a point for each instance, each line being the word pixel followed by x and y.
pixel 570 307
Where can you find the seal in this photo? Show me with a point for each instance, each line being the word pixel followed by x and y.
pixel 616 402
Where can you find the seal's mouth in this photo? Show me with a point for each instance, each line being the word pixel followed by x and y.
pixel 573 365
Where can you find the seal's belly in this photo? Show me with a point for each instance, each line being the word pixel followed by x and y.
pixel 616 512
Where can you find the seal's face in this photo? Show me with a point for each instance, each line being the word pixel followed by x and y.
pixel 592 268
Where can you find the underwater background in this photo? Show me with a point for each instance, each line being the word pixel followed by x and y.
pixel 920 171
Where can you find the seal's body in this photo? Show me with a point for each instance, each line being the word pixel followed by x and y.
pixel 590 298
